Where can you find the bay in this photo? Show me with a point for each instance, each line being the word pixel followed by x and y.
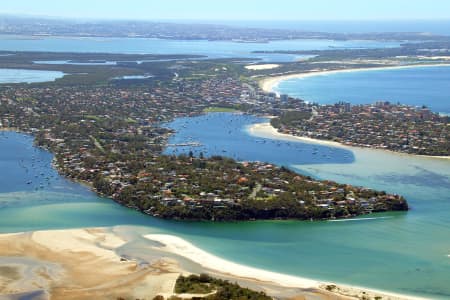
pixel 416 86
pixel 211 49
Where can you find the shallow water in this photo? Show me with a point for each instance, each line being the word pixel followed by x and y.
pixel 403 252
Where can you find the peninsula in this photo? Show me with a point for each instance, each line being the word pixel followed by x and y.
pixel 381 125
pixel 109 133
pixel 112 139
pixel 105 122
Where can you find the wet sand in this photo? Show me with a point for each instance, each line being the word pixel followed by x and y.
pixel 78 264
pixel 84 264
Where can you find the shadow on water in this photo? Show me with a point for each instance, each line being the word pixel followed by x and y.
pixel 422 177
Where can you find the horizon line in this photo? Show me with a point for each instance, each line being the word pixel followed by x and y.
pixel 74 18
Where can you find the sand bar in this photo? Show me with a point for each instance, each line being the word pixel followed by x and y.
pixel 262 67
pixel 78 264
pixel 181 247
pixel 174 244
pixel 83 264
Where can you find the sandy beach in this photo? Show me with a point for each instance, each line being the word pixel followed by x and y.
pixel 77 264
pixel 181 247
pixel 173 244
pixel 84 264
pixel 268 131
pixel 9 129
pixel 268 84
pixel 262 67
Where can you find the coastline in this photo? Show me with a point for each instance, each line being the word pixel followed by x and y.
pixel 54 163
pixel 268 84
pixel 6 129
pixel 78 264
pixel 86 264
pixel 175 245
pixel 268 131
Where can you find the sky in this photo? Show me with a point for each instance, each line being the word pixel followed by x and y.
pixel 232 9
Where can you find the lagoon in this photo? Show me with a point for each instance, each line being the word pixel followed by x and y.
pixel 28 76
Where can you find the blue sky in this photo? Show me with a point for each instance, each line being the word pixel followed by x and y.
pixel 233 9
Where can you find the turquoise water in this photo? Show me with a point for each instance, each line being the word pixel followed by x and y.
pixel 212 49
pixel 402 252
pixel 28 76
pixel 414 86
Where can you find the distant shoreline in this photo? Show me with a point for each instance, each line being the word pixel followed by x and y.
pixel 268 84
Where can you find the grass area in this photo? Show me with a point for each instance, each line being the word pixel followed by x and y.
pixel 130 120
pixel 223 289
pixel 194 285
pixel 97 144
pixel 219 109
pixel 92 117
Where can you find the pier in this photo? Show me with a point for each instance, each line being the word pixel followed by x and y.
pixel 188 144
